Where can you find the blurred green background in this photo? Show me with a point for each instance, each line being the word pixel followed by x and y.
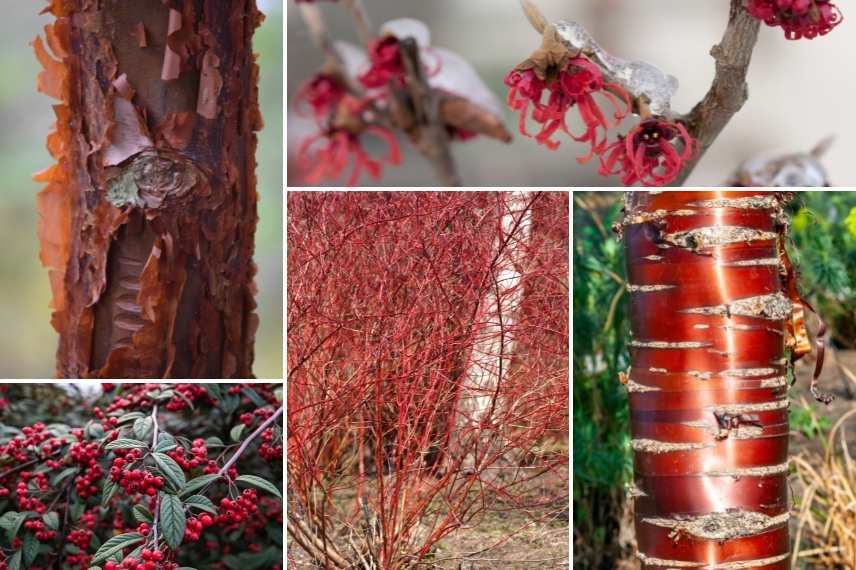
pixel 823 248
pixel 27 341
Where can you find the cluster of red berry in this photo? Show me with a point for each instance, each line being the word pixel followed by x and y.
pixel 82 453
pixel 198 455
pixel 149 560
pixel 195 526
pixel 87 455
pixel 134 480
pixel 26 502
pixel 39 529
pixel 268 450
pixel 233 512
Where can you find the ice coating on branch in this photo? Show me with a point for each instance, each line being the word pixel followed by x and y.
pixel 408 28
pixel 458 77
pixel 639 78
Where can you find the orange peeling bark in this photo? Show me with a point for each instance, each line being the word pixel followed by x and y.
pixel 147 220
pixel 711 316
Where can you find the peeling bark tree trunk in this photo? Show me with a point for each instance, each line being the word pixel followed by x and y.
pixel 711 319
pixel 148 220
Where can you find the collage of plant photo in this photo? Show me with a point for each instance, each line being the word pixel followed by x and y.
pixel 427 285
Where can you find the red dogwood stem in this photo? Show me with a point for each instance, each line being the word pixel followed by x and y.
pixel 711 317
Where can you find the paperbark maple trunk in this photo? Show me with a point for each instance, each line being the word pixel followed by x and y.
pixel 147 221
pixel 711 316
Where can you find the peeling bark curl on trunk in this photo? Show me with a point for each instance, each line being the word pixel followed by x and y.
pixel 147 221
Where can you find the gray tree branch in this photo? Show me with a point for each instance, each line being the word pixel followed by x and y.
pixel 729 90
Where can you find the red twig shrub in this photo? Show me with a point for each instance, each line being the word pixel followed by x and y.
pixel 154 477
pixel 427 364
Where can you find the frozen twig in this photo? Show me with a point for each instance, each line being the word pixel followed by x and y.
pixel 429 135
pixel 729 90
pixel 332 58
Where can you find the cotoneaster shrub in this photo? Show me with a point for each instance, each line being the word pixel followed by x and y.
pixel 149 477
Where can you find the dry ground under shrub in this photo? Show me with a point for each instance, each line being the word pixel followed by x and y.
pixel 524 540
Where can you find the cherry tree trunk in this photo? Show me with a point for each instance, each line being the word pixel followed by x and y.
pixel 711 316
pixel 148 219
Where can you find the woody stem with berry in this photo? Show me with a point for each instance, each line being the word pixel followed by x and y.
pixel 155 430
pixel 244 444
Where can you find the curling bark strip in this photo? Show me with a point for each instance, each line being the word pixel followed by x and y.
pixel 147 220
pixel 711 318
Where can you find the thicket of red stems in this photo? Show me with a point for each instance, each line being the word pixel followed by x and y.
pixel 157 477
pixel 427 350
pixel 713 310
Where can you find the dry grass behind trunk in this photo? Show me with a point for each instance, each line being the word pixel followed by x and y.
pixel 826 516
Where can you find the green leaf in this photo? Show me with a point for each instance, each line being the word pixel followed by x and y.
pixel 51 520
pixel 165 443
pixel 63 475
pixel 130 416
pixel 142 514
pixel 95 430
pixel 76 511
pixel 143 428
pixel 201 503
pixel 259 483
pixel 108 489
pixel 115 545
pixel 230 403
pixel 172 519
pixel 126 443
pixel 254 397
pixel 850 222
pixel 171 470
pixel 195 484
pixel 12 522
pixel 237 430
pixel 30 549
pixel 14 562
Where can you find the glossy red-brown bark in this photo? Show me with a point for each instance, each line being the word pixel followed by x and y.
pixel 710 319
pixel 148 219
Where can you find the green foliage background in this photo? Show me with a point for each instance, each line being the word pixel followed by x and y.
pixel 823 246
pixel 27 340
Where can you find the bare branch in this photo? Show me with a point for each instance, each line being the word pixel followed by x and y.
pixel 429 134
pixel 729 90
pixel 361 19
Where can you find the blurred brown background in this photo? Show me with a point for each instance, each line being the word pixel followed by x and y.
pixel 800 91
pixel 27 340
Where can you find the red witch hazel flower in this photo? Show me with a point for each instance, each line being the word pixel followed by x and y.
pixel 325 155
pixel 319 95
pixel 653 153
pixel 386 63
pixel 798 18
pixel 568 82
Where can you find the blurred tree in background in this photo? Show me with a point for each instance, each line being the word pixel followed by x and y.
pixel 602 459
pixel 823 230
pixel 27 340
